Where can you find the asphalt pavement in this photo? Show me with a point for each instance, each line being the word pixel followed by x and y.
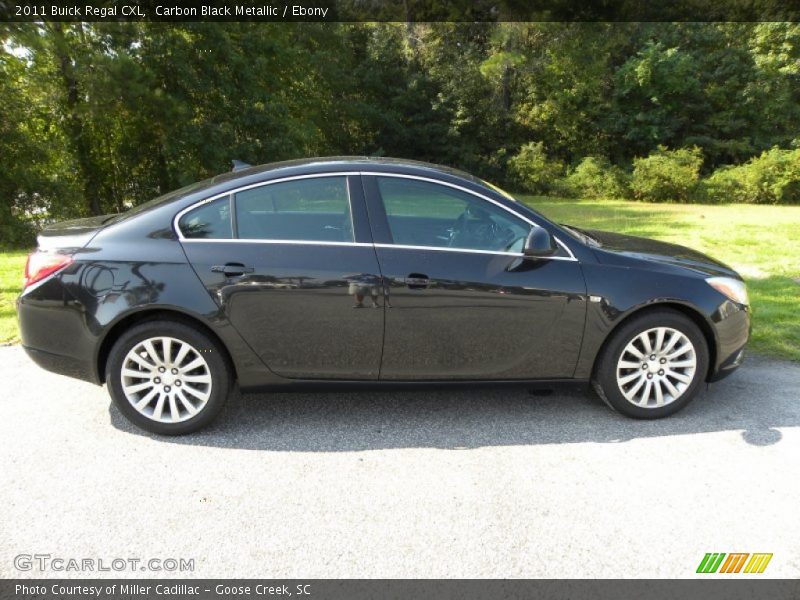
pixel 483 482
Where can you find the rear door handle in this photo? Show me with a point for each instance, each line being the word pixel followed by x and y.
pixel 417 281
pixel 232 269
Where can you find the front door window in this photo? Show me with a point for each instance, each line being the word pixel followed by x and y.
pixel 421 213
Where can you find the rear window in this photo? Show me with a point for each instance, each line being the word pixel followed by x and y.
pixel 209 221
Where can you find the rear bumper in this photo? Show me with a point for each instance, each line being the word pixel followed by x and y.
pixel 53 329
pixel 63 365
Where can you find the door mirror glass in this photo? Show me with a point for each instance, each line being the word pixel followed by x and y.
pixel 539 243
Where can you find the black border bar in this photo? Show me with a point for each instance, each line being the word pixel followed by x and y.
pixel 400 10
pixel 714 587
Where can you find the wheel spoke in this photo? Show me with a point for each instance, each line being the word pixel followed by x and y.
pixel 151 351
pixel 660 332
pixel 204 378
pixel 181 355
pixel 135 374
pixel 646 393
pixel 682 349
pixel 195 393
pixel 631 393
pixel 159 406
pixel 626 364
pixel 672 341
pixel 166 346
pixel 145 400
pixel 142 362
pixel 645 337
pixel 197 362
pixel 681 364
pixel 628 378
pixel 659 394
pixel 186 404
pixel 136 388
pixel 671 389
pixel 173 408
pixel 631 349
pixel 679 376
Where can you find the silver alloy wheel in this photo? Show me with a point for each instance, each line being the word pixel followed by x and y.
pixel 166 379
pixel 656 367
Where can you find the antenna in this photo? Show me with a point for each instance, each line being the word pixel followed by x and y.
pixel 238 165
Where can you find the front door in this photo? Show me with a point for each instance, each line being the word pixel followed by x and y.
pixel 461 301
pixel 292 266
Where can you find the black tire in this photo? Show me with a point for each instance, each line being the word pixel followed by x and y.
pixel 604 379
pixel 216 360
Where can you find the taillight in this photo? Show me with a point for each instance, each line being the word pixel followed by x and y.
pixel 43 264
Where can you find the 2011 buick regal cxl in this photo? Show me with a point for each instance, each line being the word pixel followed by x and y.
pixel 342 270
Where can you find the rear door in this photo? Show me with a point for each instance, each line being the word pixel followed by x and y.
pixel 292 266
pixel 462 302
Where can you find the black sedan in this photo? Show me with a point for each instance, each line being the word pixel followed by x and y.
pixel 342 270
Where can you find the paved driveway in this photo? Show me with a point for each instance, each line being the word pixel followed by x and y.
pixel 459 483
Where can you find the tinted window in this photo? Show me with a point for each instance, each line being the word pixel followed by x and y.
pixel 421 213
pixel 303 209
pixel 209 221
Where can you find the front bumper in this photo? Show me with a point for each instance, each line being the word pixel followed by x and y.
pixel 732 325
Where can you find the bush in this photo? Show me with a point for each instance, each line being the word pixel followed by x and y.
pixel 15 232
pixel 772 178
pixel 534 171
pixel 667 175
pixel 595 177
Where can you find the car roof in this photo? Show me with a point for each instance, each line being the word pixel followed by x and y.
pixel 332 163
pixel 241 177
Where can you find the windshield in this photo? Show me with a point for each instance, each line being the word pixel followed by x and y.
pixel 499 190
pixel 581 235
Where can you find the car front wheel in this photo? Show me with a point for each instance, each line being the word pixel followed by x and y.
pixel 653 365
pixel 167 377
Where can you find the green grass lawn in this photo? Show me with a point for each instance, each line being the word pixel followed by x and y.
pixel 12 265
pixel 761 242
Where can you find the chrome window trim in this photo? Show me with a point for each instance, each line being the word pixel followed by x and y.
pixel 256 241
pixel 479 195
pixel 350 208
pixel 176 219
pixel 468 251
pixel 181 238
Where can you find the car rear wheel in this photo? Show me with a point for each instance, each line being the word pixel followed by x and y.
pixel 653 365
pixel 167 377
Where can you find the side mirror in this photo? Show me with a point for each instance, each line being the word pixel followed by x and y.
pixel 539 243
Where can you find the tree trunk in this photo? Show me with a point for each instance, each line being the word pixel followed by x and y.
pixel 76 129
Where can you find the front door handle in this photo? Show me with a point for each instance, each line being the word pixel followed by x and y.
pixel 417 281
pixel 232 269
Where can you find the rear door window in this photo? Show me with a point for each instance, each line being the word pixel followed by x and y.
pixel 314 209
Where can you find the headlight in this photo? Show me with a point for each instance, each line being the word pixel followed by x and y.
pixel 730 287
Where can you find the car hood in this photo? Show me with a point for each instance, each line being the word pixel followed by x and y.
pixel 611 246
